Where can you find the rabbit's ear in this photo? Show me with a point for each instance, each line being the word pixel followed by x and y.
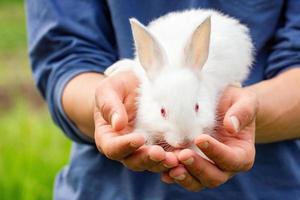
pixel 150 53
pixel 197 48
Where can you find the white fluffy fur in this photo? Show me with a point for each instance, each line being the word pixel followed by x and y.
pixel 176 87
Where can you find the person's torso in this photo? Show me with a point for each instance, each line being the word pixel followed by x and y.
pixel 276 172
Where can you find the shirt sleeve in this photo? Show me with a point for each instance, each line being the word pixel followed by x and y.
pixel 285 52
pixel 67 38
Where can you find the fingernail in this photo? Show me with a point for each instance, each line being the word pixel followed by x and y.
pixel 114 119
pixel 167 166
pixel 236 123
pixel 152 158
pixel 188 161
pixel 203 145
pixel 134 145
pixel 180 177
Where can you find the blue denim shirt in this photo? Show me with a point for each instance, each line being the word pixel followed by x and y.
pixel 70 37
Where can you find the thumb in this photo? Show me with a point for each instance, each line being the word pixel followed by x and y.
pixel 112 109
pixel 241 114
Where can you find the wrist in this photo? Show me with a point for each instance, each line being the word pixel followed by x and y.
pixel 260 115
pixel 263 118
pixel 78 101
pixel 278 116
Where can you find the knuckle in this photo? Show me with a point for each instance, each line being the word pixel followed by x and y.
pixel 137 168
pixel 110 154
pixel 188 182
pixel 234 167
pixel 148 163
pixel 199 171
pixel 132 166
pixel 248 165
pixel 98 142
pixel 195 188
pixel 99 148
pixel 157 169
pixel 214 183
pixel 153 170
pixel 217 181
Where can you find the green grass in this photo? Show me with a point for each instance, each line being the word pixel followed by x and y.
pixel 13 44
pixel 12 23
pixel 32 149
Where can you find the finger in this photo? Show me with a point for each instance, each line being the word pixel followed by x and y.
pixel 111 107
pixel 144 158
pixel 158 168
pixel 207 173
pixel 165 177
pixel 183 178
pixel 114 146
pixel 237 157
pixel 170 161
pixel 241 113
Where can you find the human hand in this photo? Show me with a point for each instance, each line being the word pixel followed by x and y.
pixel 114 116
pixel 231 149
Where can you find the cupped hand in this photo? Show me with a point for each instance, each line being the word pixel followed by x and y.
pixel 230 150
pixel 114 116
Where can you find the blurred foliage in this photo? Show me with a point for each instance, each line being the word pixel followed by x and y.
pixel 32 149
pixel 31 154
pixel 12 23
pixel 9 2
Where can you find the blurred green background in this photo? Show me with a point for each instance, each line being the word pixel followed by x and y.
pixel 32 149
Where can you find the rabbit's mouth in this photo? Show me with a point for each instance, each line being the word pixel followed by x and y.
pixel 159 140
pixel 166 146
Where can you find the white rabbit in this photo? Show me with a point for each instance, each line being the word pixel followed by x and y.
pixel 184 60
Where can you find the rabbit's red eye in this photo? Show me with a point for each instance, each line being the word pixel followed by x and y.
pixel 196 107
pixel 163 112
